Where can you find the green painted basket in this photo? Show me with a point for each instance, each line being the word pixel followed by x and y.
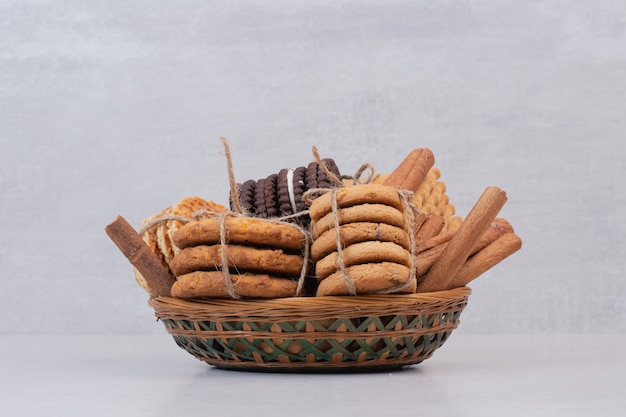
pixel 304 334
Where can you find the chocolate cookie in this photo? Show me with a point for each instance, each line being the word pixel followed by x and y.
pixel 246 196
pixel 299 187
pixel 286 204
pixel 323 180
pixel 311 175
pixel 271 196
pixel 281 194
pixel 260 209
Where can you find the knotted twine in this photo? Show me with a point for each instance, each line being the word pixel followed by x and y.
pixel 409 208
pixel 239 211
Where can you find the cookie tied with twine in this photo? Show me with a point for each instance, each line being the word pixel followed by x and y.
pixel 357 267
pixel 234 255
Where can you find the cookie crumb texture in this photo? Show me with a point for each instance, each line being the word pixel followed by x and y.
pixel 311 231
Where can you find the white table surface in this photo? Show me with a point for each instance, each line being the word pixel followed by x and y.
pixel 149 375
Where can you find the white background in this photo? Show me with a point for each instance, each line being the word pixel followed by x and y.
pixel 116 107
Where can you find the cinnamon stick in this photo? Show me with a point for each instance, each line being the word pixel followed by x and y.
pixel 418 221
pixel 425 260
pixel 140 256
pixel 412 170
pixel 434 241
pixel 430 227
pixel 496 229
pixel 486 258
pixel 429 251
pixel 460 245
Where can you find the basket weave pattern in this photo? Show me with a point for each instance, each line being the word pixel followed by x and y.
pixel 313 333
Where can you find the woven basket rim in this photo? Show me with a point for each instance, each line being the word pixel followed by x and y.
pixel 308 308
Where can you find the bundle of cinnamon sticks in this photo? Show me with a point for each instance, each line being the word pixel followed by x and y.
pixel 454 258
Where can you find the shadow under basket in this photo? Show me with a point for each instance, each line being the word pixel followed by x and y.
pixel 313 334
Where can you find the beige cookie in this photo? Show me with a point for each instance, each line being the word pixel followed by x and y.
pixel 240 258
pixel 186 207
pixel 150 237
pixel 358 232
pixel 213 284
pixel 355 195
pixel 363 253
pixel 372 213
pixel 241 230
pixel 369 278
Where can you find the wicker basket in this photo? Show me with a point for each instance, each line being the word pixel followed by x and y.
pixel 375 332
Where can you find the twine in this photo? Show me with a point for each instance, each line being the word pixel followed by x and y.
pixel 406 197
pixel 228 280
pixel 342 267
pixel 157 221
pixel 278 220
pixel 238 212
pixel 231 177
pixel 331 175
pixel 410 209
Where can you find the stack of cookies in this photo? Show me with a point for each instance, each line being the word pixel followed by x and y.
pixel 235 256
pixel 361 242
pixel 281 194
pixel 159 229
pixel 348 237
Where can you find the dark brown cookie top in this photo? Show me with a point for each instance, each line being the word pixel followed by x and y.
pixel 299 187
pixel 311 175
pixel 282 190
pixel 271 196
pixel 281 194
pixel 246 196
pixel 323 180
pixel 259 199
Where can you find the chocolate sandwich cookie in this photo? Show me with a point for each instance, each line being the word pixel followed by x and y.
pixel 260 209
pixel 283 192
pixel 323 180
pixel 299 187
pixel 311 175
pixel 271 196
pixel 317 177
pixel 246 196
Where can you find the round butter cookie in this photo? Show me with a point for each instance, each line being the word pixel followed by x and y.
pixel 240 258
pixel 358 232
pixel 362 253
pixel 353 195
pixel 371 213
pixel 184 208
pixel 369 278
pixel 213 284
pixel 242 230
